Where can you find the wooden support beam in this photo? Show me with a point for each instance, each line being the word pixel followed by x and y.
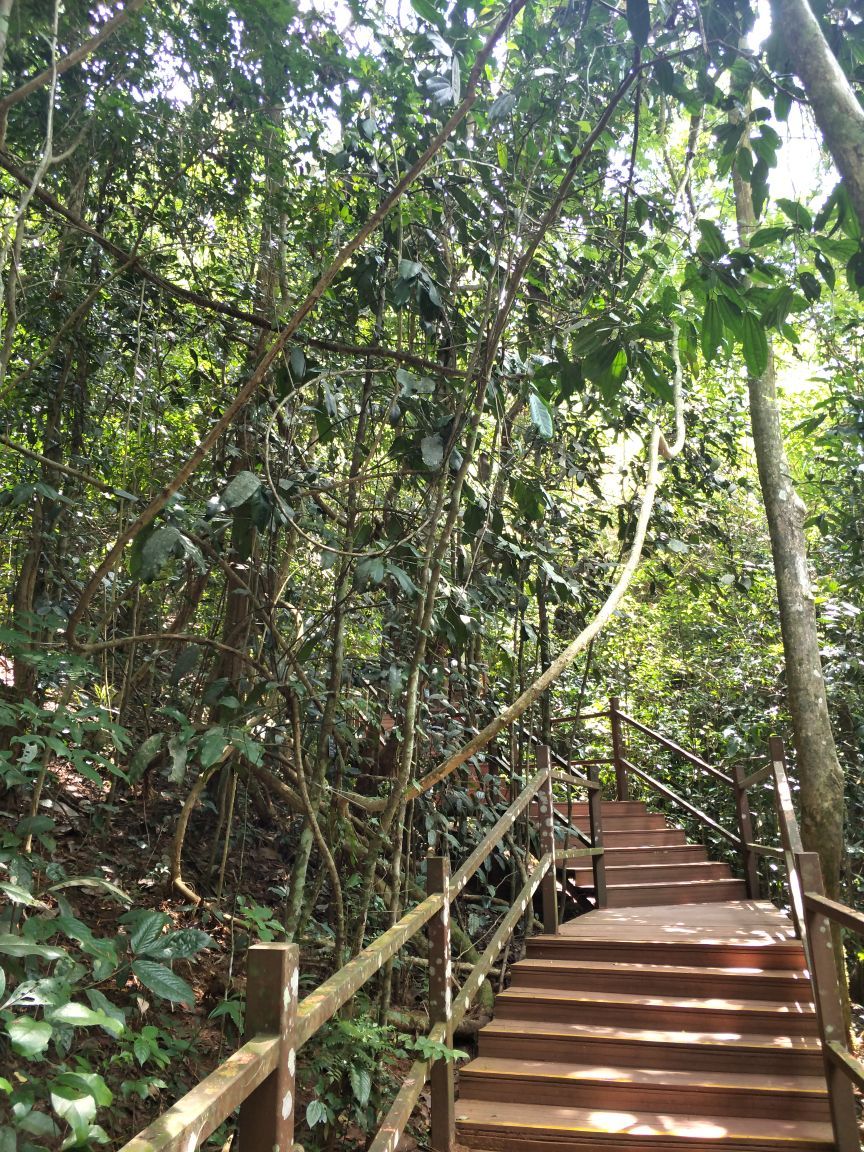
pixel 442 1133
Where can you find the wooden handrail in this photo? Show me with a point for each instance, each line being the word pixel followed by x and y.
pixel 255 1066
pixel 839 913
pixel 200 1112
pixel 573 716
pixel 671 746
pixel 691 808
pixel 766 850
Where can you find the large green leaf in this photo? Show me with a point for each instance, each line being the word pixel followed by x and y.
pixel 163 981
pixel 541 416
pixel 754 344
pixel 14 946
pixel 639 20
pixel 80 1016
pixel 240 489
pixel 29 1037
pixel 712 329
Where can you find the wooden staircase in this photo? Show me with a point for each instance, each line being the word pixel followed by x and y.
pixel 650 862
pixel 680 1015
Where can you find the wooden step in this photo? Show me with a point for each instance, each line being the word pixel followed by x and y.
pixel 744 983
pixel 607 807
pixel 643 837
pixel 631 1047
pixel 634 1009
pixel 613 822
pixel 692 953
pixel 655 854
pixel 617 874
pixel 525 1128
pixel 688 892
pixel 548 1083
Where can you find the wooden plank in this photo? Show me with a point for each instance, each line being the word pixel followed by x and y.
pixel 745 834
pixel 574 853
pixel 671 746
pixel 766 850
pixel 573 716
pixel 615 714
pixel 682 803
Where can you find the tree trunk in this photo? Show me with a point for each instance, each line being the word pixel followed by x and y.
pixel 819 772
pixel 832 98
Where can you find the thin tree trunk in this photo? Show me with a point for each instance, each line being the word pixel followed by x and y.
pixel 832 98
pixel 819 772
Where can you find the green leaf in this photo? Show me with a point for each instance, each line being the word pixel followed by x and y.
pixel 501 107
pixel 677 546
pixel 712 329
pixel 163 982
pixel 240 489
pixel 432 450
pixel 144 756
pixel 541 416
pixel 29 1037
pixel 213 744
pixel 14 946
pixel 428 11
pixel 80 1016
pixel 19 895
pixel 713 240
pixel 754 344
pixel 361 1084
pixel 763 236
pixel 316 1110
pixel 180 945
pixel 163 544
pixel 639 20
pixel 147 930
pixel 797 213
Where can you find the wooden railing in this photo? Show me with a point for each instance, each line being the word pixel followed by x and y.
pixel 814 914
pixel 260 1077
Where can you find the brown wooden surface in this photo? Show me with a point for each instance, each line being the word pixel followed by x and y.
pixel 441 1127
pixel 272 982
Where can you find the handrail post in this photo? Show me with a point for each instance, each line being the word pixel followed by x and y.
pixel 745 828
pixel 547 841
pixel 819 946
pixel 595 819
pixel 272 981
pixel 442 1135
pixel 622 789
pixel 790 837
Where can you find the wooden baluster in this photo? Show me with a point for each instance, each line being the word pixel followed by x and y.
pixel 595 817
pixel 622 787
pixel 819 944
pixel 267 1115
pixel 547 841
pixel 745 829
pixel 442 1134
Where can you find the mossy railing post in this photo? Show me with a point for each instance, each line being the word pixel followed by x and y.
pixel 546 805
pixel 818 941
pixel 442 1134
pixel 622 788
pixel 745 827
pixel 595 818
pixel 272 981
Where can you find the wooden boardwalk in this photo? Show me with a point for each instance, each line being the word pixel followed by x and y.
pixel 664 1024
